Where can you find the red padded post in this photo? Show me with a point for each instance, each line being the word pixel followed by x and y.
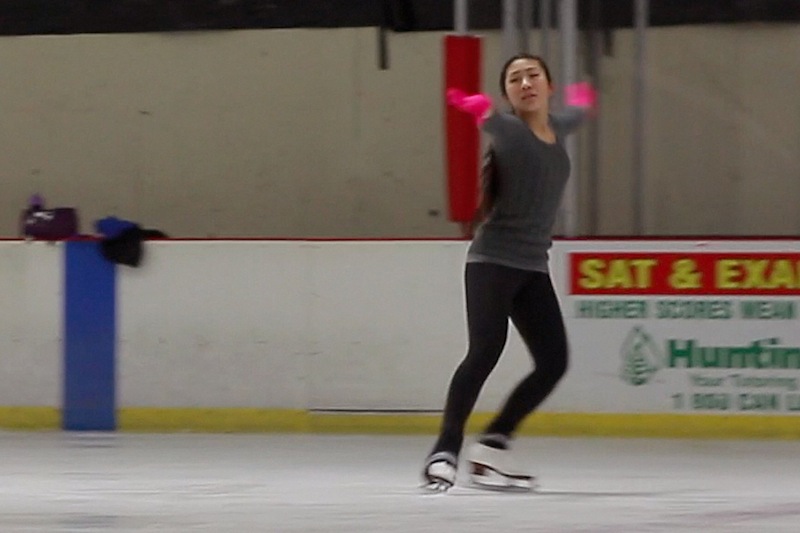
pixel 462 70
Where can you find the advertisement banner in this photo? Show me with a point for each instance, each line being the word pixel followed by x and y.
pixel 684 327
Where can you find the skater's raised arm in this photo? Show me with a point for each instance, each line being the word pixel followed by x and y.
pixel 581 102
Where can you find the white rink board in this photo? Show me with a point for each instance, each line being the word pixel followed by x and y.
pixel 215 324
pixel 30 323
pixel 321 325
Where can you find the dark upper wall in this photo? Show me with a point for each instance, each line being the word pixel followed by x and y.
pixel 19 17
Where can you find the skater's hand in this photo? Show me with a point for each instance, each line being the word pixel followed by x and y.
pixel 581 95
pixel 478 105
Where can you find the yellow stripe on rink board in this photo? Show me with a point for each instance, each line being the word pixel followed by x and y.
pixel 30 418
pixel 247 420
pixel 542 424
pixel 663 426
pixel 213 420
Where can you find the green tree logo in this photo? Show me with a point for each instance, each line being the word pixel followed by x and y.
pixel 640 357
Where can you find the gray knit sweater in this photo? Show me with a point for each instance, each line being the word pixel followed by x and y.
pixel 532 175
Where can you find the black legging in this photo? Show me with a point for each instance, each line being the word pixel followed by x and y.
pixel 494 293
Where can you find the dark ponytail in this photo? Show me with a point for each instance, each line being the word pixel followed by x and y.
pixel 489 186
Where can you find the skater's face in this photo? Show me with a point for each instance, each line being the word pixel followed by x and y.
pixel 527 85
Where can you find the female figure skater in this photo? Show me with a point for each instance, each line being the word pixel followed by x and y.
pixel 506 273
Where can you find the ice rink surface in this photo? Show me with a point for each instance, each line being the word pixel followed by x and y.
pixel 69 482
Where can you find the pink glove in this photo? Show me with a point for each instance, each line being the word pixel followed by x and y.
pixel 580 95
pixel 477 105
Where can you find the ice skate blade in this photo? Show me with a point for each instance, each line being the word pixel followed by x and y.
pixel 436 486
pixel 486 477
pixel 508 489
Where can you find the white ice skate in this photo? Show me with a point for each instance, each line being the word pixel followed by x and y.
pixel 439 473
pixel 494 468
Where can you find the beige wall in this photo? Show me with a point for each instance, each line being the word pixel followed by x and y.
pixel 298 133
pixel 723 150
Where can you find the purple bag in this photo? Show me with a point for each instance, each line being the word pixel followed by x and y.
pixel 48 224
